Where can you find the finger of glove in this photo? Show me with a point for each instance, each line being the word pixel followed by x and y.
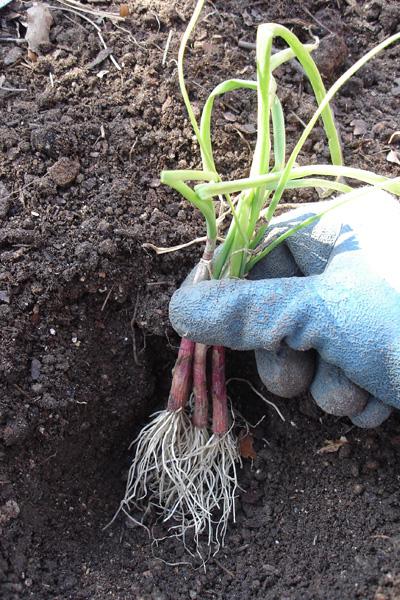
pixel 373 415
pixel 333 391
pixel 286 372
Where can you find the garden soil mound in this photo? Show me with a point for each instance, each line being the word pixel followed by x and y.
pixel 86 346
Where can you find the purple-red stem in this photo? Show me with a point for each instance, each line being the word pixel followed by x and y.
pixel 220 422
pixel 182 376
pixel 200 413
pixel 182 373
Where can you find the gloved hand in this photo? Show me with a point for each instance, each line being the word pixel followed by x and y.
pixel 320 311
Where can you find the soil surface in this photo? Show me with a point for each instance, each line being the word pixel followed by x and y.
pixel 86 347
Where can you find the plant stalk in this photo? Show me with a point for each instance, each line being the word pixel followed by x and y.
pixel 200 414
pixel 182 376
pixel 220 424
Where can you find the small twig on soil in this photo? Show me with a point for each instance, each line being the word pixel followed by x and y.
pixel 298 119
pixel 9 89
pixel 299 22
pixel 19 190
pixel 246 45
pixel 155 15
pixel 26 65
pixel 161 250
pixel 285 206
pixel 242 137
pixel 132 149
pixel 21 391
pixel 164 58
pixel 221 566
pixel 106 299
pixel 132 37
pixel 11 39
pixel 76 12
pixel 317 21
pixel 133 324
pixel 92 11
pixel 353 4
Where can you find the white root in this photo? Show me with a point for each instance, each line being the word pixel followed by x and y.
pixel 216 485
pixel 156 471
pixel 189 476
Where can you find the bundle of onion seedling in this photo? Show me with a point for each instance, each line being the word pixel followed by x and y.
pixel 186 459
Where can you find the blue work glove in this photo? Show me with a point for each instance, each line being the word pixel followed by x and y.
pixel 321 311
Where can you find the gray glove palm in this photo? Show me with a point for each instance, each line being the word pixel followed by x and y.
pixel 333 288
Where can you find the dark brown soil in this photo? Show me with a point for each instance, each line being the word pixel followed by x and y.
pixel 86 347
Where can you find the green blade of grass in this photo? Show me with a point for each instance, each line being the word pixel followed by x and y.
pixel 208 161
pixel 278 126
pixel 176 181
pixel 187 175
pixel 251 202
pixel 231 85
pixel 205 122
pixel 325 103
pixel 208 190
pixel 308 182
pixel 311 70
pixel 307 222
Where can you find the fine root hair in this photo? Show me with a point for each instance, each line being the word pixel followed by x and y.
pixel 188 476
pixel 211 486
pixel 157 470
pixel 217 479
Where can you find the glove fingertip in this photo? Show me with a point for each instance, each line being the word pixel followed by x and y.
pixel 285 372
pixel 335 393
pixel 373 415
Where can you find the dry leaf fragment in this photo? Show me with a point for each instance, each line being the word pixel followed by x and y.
pixel 38 23
pixel 123 10
pixel 101 57
pixel 393 157
pixel 394 138
pixel 229 116
pixel 246 128
pixel 331 446
pixel 32 56
pixel 246 447
pixel 4 297
pixel 359 127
